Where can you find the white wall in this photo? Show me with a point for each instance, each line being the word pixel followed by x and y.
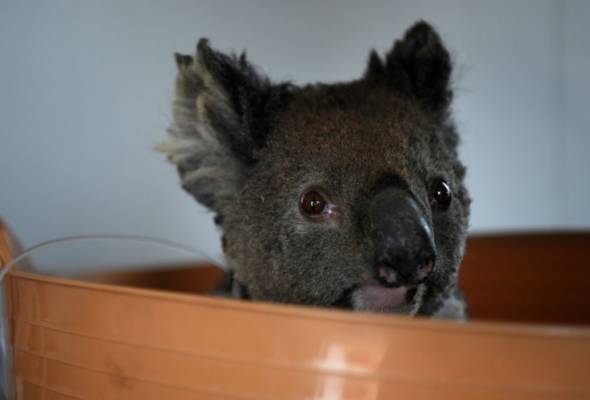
pixel 86 86
pixel 577 112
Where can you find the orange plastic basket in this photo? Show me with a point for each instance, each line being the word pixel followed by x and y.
pixel 150 335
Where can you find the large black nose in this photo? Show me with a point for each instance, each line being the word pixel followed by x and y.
pixel 404 244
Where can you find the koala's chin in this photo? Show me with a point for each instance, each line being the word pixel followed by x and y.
pixel 346 195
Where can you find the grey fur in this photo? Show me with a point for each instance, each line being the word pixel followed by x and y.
pixel 247 149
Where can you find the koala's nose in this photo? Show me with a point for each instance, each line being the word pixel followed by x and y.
pixel 403 238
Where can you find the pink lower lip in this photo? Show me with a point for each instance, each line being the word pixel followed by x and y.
pixel 382 297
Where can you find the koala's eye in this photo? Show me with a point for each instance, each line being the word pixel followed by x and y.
pixel 313 203
pixel 441 194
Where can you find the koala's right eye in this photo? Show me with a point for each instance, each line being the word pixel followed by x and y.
pixel 313 203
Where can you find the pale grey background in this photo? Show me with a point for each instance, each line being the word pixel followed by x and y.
pixel 85 90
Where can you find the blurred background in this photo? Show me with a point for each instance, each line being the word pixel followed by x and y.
pixel 86 88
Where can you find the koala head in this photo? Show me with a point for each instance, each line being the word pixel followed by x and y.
pixel 348 194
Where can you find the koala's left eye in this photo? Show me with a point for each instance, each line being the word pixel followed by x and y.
pixel 441 194
pixel 313 203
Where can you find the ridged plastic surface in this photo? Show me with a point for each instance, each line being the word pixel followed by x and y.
pixel 84 340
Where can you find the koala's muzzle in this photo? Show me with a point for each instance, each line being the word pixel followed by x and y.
pixel 404 244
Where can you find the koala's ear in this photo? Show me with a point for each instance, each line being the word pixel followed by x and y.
pixel 418 66
pixel 222 114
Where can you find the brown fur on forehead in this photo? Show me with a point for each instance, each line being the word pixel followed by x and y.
pixel 358 128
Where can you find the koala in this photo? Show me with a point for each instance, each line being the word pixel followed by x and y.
pixel 347 195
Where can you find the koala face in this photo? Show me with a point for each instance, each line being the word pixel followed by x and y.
pixel 348 195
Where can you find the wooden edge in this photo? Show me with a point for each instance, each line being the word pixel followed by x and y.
pixel 6 245
pixel 7 251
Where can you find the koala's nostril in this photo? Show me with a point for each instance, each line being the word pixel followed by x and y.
pixel 391 275
pixel 386 275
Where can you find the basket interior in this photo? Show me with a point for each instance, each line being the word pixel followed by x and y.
pixel 538 278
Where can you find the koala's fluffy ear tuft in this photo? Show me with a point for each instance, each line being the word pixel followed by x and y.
pixel 222 114
pixel 183 62
pixel 418 66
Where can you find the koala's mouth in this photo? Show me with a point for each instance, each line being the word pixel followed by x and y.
pixel 377 298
